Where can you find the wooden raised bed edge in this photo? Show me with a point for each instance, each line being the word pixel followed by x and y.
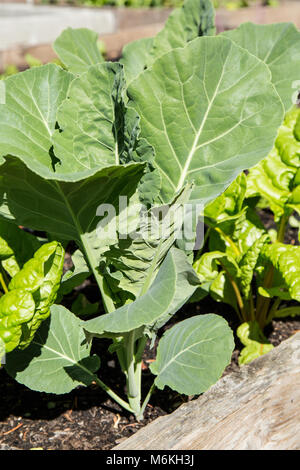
pixel 256 408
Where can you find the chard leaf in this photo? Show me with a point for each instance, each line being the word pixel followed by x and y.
pixel 286 261
pixel 256 344
pixel 78 49
pixel 195 18
pixel 274 44
pixel 182 115
pixel 174 284
pixel 16 309
pixel 16 247
pixel 28 116
pixel 58 349
pixel 192 355
pixel 276 178
pixel 41 277
pixel 229 204
pixel 136 258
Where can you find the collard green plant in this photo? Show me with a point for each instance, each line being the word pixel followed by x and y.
pixel 173 123
pixel 244 259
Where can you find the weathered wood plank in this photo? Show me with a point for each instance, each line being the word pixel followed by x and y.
pixel 257 407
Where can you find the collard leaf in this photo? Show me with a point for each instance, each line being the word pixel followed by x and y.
pixel 195 18
pixel 28 116
pixel 274 44
pixel 256 344
pixel 58 359
pixel 135 56
pixel 174 284
pixel 182 115
pixel 89 120
pixel 64 209
pixel 96 129
pixel 78 49
pixel 192 355
pixel 134 261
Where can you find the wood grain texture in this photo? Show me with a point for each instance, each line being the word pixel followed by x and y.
pixel 257 407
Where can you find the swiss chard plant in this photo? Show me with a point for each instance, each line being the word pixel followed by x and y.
pixel 169 127
pixel 248 266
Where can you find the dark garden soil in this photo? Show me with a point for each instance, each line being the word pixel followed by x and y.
pixel 86 419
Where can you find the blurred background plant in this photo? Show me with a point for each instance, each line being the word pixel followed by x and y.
pixel 228 4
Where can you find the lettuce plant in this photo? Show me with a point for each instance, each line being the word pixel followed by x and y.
pixel 172 124
pixel 246 261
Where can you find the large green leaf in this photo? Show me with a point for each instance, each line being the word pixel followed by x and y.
pixel 89 120
pixel 135 56
pixel 67 210
pixel 174 284
pixel 278 45
pixel 195 18
pixel 58 359
pixel 28 117
pixel 133 261
pixel 78 49
pixel 96 129
pixel 182 114
pixel 192 355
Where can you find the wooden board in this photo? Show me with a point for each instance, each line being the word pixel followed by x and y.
pixel 257 407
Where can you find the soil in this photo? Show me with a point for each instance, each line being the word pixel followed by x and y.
pixel 86 419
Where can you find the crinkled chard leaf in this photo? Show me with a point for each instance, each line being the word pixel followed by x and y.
pixel 16 309
pixel 276 178
pixel 78 49
pixel 16 247
pixel 58 359
pixel 40 276
pixel 255 342
pixel 192 355
pixel 286 261
pixel 182 114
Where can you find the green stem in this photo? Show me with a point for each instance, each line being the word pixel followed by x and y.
pixel 146 401
pixel 113 395
pixel 263 303
pixel 273 310
pixel 240 302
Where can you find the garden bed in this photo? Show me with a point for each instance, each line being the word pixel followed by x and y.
pixel 86 419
